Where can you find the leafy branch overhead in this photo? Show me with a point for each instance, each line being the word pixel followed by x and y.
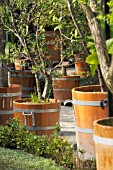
pixel 92 59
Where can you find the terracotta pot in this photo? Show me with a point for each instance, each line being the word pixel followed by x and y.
pixel 22 64
pixel 7 95
pixel 88 106
pixel 25 78
pixel 39 117
pixel 53 53
pixel 81 68
pixel 62 87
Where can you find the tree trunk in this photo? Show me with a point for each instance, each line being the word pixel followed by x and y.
pixel 47 87
pixel 107 31
pixel 3 64
pixel 37 79
pixel 107 71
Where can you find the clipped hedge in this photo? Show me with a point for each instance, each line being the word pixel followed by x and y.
pixel 18 160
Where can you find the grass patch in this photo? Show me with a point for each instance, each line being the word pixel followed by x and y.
pixel 19 160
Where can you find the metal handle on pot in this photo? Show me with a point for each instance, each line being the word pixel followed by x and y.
pixel 3 101
pixel 29 114
pixel 103 103
pixel 68 101
pixel 11 102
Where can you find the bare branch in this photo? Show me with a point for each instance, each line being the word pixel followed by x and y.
pixel 76 25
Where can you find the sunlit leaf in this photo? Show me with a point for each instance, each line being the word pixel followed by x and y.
pixel 93 68
pixel 92 59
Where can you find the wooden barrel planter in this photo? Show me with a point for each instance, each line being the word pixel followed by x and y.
pixel 62 87
pixel 38 117
pixel 81 68
pixel 25 78
pixel 103 138
pixel 53 51
pixel 7 95
pixel 89 105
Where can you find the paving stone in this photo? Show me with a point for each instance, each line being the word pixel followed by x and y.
pixel 67 124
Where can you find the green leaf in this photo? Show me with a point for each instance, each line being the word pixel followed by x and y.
pixel 109 44
pixel 92 59
pixel 93 68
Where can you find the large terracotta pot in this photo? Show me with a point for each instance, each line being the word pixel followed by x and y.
pixel 39 117
pixel 7 95
pixel 25 78
pixel 62 87
pixel 89 105
pixel 103 138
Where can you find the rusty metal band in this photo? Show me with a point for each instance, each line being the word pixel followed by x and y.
pixel 102 140
pixel 40 128
pixel 36 110
pixel 10 94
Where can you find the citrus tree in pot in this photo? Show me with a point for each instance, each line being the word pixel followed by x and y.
pixel 27 21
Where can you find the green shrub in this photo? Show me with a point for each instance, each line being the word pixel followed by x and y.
pixel 16 136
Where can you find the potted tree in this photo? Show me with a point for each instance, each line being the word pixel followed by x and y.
pixel 27 21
